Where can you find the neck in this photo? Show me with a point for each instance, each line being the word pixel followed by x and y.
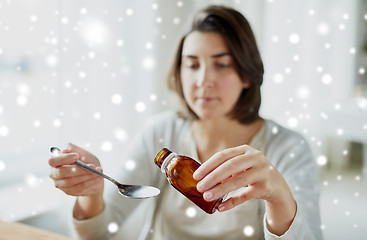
pixel 215 135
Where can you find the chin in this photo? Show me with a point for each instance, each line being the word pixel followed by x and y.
pixel 207 116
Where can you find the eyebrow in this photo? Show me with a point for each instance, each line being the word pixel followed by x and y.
pixel 218 55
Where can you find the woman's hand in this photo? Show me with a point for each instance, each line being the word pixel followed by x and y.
pixel 247 169
pixel 76 181
pixel 71 179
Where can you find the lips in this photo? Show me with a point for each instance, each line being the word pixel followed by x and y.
pixel 205 99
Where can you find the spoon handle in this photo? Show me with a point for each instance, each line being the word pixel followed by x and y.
pixel 85 166
pixel 56 151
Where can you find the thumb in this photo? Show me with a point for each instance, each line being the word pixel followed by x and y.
pixel 70 148
pixel 74 148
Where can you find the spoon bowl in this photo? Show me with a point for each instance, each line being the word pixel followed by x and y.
pixel 130 191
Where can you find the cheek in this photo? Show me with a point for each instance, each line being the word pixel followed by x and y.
pixel 231 91
pixel 187 86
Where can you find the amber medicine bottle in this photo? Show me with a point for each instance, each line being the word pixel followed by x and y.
pixel 179 171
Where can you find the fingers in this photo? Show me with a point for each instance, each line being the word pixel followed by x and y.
pixel 226 170
pixel 71 179
pixel 67 171
pixel 246 178
pixel 74 148
pixel 216 160
pixel 65 183
pixel 244 195
pixel 71 154
pixel 85 187
pixel 242 169
pixel 233 161
pixel 63 159
pixel 76 181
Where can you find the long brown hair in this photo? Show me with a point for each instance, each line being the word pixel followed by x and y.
pixel 240 40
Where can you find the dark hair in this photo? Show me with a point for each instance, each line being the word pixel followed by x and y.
pixel 240 40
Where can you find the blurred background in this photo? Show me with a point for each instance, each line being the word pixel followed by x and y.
pixel 92 72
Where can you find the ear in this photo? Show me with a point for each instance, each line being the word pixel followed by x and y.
pixel 246 84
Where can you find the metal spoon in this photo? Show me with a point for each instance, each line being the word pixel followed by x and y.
pixel 130 191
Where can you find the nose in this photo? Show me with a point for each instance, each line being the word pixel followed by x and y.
pixel 204 78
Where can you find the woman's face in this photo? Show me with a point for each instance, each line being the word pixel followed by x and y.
pixel 210 83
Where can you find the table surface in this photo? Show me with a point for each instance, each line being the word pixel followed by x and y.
pixel 20 231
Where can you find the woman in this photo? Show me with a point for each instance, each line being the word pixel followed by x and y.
pixel 266 170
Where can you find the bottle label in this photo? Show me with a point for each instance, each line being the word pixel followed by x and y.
pixel 166 161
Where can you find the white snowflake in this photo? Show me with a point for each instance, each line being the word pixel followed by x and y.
pixel 176 20
pixel 292 122
pixel 294 38
pixel 82 74
pixel 327 79
pixel 57 123
pixel 91 54
pixel 51 60
pixel 34 18
pixel 116 99
pixel 311 12
pixel 22 100
pixel 140 107
pixel 152 97
pixel 64 20
pixel 83 11
pixel 106 146
pixel 248 231
pixel 190 212
pixel 323 28
pixel 37 123
pixel 148 63
pixel 322 160
pixel 2 165
pixel 129 12
pixel 130 165
pixel 362 70
pixel 275 39
pixel 340 131
pixel 120 134
pixel 303 92
pixel 97 115
pixel 148 45
pixel 31 180
pixel 120 43
pixel 278 78
pixel 113 227
pixel 159 19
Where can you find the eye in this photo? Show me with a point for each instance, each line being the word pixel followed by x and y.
pixel 192 65
pixel 223 65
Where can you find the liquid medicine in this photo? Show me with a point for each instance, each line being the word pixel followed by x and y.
pixel 179 171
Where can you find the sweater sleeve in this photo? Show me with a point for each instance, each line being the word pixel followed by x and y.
pixel 292 156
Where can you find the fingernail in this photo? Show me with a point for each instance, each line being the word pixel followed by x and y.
pixel 200 186
pixel 196 176
pixel 208 196
pixel 221 208
pixel 75 156
pixel 69 146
